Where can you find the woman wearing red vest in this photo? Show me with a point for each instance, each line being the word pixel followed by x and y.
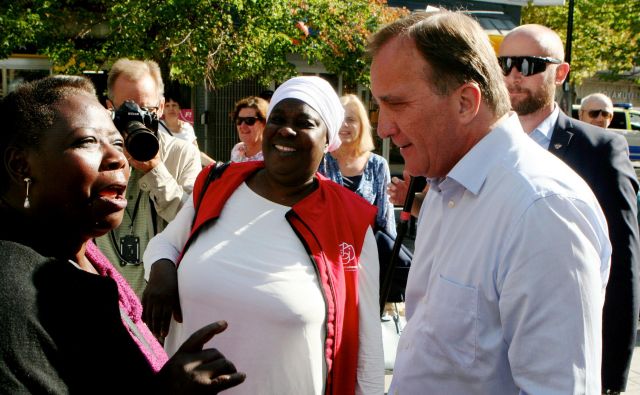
pixel 284 255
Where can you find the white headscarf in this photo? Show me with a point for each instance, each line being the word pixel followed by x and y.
pixel 320 96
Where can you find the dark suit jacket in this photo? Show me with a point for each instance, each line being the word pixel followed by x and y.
pixel 601 158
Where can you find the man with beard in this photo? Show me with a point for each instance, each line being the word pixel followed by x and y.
pixel 531 58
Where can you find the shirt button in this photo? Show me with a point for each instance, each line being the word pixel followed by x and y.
pixel 451 204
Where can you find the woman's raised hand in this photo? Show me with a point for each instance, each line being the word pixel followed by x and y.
pixel 193 370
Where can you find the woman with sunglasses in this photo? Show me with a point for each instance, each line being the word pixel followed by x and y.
pixel 249 117
pixel 70 322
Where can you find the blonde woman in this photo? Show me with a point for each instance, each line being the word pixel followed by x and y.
pixel 354 166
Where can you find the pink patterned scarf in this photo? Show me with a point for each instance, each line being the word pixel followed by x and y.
pixel 129 302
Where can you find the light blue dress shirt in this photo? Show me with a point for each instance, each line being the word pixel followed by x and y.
pixel 507 283
pixel 542 133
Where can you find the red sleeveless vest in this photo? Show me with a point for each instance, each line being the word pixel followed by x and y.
pixel 331 223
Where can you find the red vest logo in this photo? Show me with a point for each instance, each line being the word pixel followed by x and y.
pixel 348 257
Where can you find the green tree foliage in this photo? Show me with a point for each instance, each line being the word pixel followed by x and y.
pixel 219 41
pixel 606 35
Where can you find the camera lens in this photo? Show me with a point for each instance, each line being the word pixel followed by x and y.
pixel 142 144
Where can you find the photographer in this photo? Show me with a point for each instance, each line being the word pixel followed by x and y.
pixel 158 186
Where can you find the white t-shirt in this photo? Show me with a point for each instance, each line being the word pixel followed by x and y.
pixel 185 133
pixel 250 269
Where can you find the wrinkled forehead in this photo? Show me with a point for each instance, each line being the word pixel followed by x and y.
pixel 597 104
pixel 143 91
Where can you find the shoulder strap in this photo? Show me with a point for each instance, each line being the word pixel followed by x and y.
pixel 165 127
pixel 214 173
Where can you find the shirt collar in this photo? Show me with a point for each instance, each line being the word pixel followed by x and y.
pixel 473 169
pixel 545 128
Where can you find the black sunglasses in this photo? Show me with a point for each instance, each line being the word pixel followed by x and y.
pixel 527 65
pixel 596 113
pixel 248 120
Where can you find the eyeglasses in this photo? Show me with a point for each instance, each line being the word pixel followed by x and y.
pixel 596 113
pixel 153 110
pixel 250 121
pixel 527 65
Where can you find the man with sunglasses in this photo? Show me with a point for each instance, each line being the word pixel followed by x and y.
pixel 596 109
pixel 531 60
pixel 158 187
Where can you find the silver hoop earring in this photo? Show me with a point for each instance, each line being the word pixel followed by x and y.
pixel 27 204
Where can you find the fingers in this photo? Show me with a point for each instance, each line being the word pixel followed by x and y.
pixel 161 319
pixel 202 335
pixel 177 312
pixel 220 372
pixel 227 381
pixel 397 190
pixel 161 296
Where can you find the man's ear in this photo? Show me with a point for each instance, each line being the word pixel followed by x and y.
pixel 562 71
pixel 469 98
pixel 160 108
pixel 16 162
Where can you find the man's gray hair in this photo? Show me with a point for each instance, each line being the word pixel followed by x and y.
pixel 134 70
pixel 596 96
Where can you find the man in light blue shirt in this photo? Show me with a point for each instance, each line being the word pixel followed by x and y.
pixel 531 57
pixel 512 254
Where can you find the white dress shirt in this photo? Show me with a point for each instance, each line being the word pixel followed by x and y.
pixel 506 287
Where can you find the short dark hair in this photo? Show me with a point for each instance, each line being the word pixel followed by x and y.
pixel 170 96
pixel 28 112
pixel 457 51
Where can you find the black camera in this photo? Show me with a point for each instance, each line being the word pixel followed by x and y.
pixel 139 128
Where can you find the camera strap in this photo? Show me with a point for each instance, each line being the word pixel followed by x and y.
pixel 112 234
pixel 132 216
pixel 165 127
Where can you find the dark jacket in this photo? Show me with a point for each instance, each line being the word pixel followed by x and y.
pixel 601 158
pixel 61 331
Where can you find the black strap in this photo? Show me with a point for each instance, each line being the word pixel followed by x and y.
pixel 166 128
pixel 135 210
pixel 214 174
pixel 401 231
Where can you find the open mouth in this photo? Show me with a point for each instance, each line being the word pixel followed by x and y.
pixel 112 192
